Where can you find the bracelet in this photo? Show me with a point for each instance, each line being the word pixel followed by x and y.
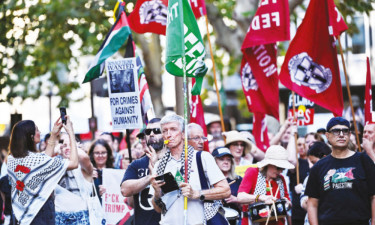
pixel 257 198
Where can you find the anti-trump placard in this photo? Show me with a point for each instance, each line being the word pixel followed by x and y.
pixel 123 94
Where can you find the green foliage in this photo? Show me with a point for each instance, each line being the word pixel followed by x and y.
pixel 38 38
pixel 41 38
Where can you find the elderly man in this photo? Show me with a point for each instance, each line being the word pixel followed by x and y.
pixel 196 136
pixel 341 186
pixel 172 204
pixel 136 180
pixel 369 139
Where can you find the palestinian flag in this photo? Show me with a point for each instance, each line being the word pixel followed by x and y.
pixel 113 41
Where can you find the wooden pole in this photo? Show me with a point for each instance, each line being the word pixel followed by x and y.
pixel 215 80
pixel 295 136
pixel 349 95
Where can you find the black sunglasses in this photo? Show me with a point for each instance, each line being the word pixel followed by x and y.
pixel 155 130
pixel 336 131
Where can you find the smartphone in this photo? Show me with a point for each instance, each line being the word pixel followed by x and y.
pixel 63 114
pixel 161 177
pixel 170 182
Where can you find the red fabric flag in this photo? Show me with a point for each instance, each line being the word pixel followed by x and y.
pixel 270 24
pixel 149 16
pixel 337 23
pixel 368 95
pixel 198 7
pixel 310 67
pixel 197 114
pixel 260 131
pixel 260 81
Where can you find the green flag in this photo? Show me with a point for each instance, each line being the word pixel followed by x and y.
pixel 184 39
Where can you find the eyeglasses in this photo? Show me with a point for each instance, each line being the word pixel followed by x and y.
pixel 100 153
pixel 198 139
pixel 155 130
pixel 279 168
pixel 239 144
pixel 337 131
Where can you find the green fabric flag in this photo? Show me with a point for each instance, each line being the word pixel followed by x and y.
pixel 184 39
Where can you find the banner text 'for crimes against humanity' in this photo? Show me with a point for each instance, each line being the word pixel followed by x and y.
pixel 123 94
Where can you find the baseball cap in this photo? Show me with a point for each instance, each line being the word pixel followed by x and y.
pixel 221 151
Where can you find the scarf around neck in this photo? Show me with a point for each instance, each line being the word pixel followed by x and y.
pixel 167 156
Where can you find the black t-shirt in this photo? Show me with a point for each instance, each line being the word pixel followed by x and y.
pixel 343 187
pixel 297 212
pixel 143 209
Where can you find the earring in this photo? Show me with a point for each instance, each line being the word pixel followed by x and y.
pixel 32 137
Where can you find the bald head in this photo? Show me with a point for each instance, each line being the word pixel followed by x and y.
pixel 369 132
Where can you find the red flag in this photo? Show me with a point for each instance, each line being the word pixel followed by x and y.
pixel 149 16
pixel 337 23
pixel 198 7
pixel 269 25
pixel 261 83
pixel 260 131
pixel 368 95
pixel 197 114
pixel 310 67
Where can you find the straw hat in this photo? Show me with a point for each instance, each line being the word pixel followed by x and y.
pixel 212 119
pixel 276 155
pixel 234 136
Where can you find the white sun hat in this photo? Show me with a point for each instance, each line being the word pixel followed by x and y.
pixel 276 155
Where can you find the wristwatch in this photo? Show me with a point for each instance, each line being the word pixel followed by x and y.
pixel 201 196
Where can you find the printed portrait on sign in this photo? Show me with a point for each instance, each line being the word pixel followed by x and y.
pixel 122 81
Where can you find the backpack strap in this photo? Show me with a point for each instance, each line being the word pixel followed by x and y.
pixel 202 176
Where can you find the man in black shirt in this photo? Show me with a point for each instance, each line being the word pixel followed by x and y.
pixel 341 186
pixel 136 181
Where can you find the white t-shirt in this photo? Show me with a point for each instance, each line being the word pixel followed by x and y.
pixel 175 214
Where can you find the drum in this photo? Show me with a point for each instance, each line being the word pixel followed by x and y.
pixel 259 211
pixel 230 214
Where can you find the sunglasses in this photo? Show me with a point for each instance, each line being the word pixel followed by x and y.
pixel 336 131
pixel 155 130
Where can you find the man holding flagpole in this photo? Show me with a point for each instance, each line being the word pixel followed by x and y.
pixel 171 205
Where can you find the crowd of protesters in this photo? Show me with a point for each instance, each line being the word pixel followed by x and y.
pixel 48 181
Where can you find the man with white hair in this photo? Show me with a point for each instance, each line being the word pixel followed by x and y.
pixel 171 204
pixel 196 136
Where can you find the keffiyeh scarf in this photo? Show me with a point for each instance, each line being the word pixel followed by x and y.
pixel 261 186
pixel 167 156
pixel 33 179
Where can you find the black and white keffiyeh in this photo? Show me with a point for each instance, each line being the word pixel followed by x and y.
pixel 261 185
pixel 167 156
pixel 33 178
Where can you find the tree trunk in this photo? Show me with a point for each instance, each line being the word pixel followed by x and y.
pixel 153 67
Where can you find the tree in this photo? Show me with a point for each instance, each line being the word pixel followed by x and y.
pixel 45 39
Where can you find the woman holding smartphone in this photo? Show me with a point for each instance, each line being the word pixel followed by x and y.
pixel 34 176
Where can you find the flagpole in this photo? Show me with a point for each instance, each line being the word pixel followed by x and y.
pixel 295 137
pixel 185 112
pixel 350 96
pixel 215 80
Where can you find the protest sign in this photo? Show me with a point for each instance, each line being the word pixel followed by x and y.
pixel 304 110
pixel 123 94
pixel 115 209
pixel 240 170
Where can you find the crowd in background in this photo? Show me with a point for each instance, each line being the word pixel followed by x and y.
pixel 79 167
